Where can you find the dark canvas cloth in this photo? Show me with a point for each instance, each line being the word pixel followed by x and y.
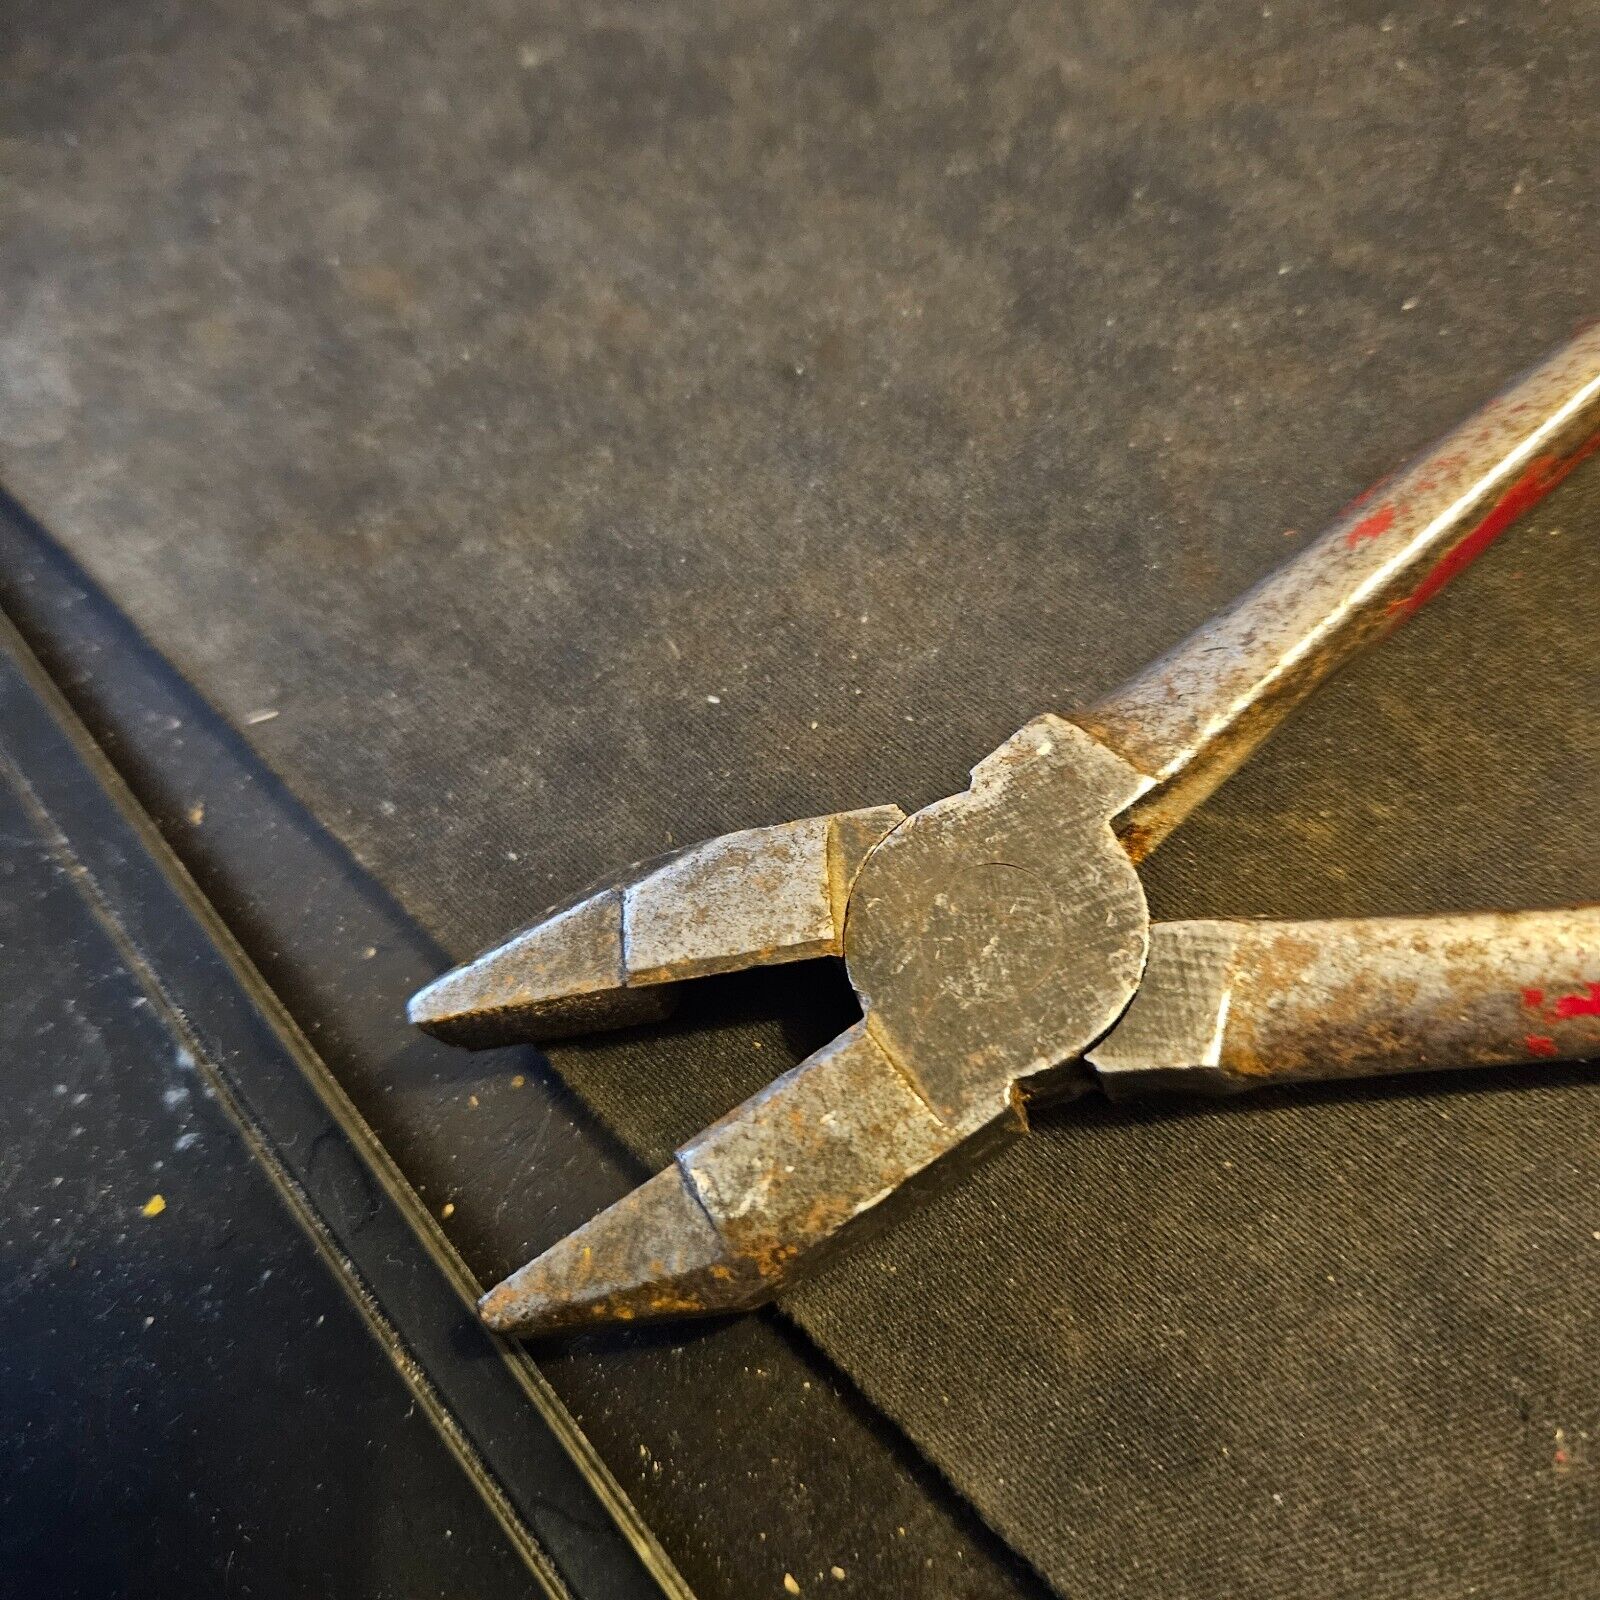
pixel 592 427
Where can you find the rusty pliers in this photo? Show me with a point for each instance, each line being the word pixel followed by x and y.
pixel 999 940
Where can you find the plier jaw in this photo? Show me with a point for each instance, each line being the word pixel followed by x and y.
pixel 614 955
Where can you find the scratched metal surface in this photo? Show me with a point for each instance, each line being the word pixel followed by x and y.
pixel 551 414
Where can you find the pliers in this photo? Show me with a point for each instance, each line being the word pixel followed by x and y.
pixel 999 940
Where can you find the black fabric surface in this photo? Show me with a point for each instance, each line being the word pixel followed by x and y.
pixel 587 429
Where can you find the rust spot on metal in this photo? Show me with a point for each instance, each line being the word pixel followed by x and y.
pixel 1139 835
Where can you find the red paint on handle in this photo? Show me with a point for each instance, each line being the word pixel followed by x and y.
pixel 1540 1044
pixel 1533 998
pixel 1541 476
pixel 1370 527
pixel 1580 1005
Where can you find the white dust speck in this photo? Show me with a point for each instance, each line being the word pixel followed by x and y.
pixel 259 716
